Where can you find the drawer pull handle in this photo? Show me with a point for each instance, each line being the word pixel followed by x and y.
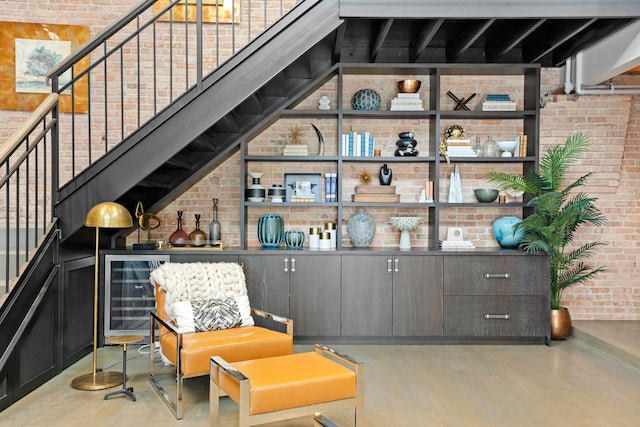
pixel 389 264
pixel 497 316
pixel 496 275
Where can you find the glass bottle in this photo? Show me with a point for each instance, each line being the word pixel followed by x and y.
pixel 198 237
pixel 214 226
pixel 489 148
pixel 179 237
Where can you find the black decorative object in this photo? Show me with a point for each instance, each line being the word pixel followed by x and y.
pixel 385 175
pixel 406 146
pixel 461 104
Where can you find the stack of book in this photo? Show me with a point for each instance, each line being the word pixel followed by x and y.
pixel 460 148
pixel 376 194
pixel 358 144
pixel 456 245
pixel 295 150
pixel 406 102
pixel 498 102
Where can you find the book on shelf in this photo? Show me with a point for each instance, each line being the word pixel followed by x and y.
pixel 406 102
pixel 498 102
pixel 330 186
pixel 456 245
pixel 523 146
pixel 358 144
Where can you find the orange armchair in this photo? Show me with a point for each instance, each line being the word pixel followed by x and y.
pixel 190 352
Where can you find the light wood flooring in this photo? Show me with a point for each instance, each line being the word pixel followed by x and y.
pixel 570 383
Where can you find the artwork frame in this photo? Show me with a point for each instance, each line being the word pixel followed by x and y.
pixel 212 11
pixel 43 36
pixel 303 194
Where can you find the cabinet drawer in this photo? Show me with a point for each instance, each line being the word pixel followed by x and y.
pixel 496 275
pixel 507 316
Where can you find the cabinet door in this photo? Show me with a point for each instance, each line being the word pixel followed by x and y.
pixel 315 285
pixel 267 282
pixel 417 295
pixel 366 296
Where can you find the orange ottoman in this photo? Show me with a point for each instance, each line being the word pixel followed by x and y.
pixel 282 387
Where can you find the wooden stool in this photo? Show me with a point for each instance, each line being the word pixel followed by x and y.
pixel 125 340
pixel 283 387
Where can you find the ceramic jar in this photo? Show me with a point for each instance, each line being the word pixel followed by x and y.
pixel 270 230
pixel 361 229
pixel 505 233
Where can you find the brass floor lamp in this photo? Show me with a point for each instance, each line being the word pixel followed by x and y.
pixel 102 215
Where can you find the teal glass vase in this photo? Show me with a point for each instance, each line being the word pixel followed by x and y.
pixel 505 232
pixel 270 230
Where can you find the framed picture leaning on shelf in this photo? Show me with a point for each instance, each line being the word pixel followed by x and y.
pixel 303 187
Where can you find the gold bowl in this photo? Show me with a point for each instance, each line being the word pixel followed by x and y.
pixel 409 86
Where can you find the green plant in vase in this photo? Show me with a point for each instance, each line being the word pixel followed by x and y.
pixel 559 211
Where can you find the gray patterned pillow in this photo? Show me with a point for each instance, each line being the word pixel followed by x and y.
pixel 212 314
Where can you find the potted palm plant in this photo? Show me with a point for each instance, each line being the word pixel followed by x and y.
pixel 557 215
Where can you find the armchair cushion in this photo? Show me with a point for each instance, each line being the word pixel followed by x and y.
pixel 212 314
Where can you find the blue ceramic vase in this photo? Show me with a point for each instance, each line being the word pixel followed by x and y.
pixel 505 233
pixel 270 230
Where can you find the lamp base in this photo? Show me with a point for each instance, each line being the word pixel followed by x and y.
pixel 98 381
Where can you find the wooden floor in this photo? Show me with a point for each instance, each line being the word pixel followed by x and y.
pixel 569 383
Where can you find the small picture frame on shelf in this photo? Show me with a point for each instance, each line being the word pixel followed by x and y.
pixel 303 187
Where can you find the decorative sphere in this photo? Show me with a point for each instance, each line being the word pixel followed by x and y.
pixel 366 99
pixel 505 233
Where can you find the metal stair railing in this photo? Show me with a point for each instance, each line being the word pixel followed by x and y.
pixel 132 70
pixel 28 184
pixel 117 81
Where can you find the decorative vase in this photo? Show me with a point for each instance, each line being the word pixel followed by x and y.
pixel 277 193
pixel 270 230
pixel 405 224
pixel 255 192
pixel 294 239
pixel 505 233
pixel 361 229
pixel 215 233
pixel 179 238
pixel 197 237
pixel 385 175
pixel 366 99
pixel 560 324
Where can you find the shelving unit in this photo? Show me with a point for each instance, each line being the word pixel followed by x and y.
pixel 429 125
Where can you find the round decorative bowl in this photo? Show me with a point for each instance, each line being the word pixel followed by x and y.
pixel 366 99
pixel 486 195
pixel 507 146
pixel 409 86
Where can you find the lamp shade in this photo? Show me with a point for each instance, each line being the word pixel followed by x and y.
pixel 108 215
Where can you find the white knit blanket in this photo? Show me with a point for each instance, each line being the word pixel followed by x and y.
pixel 198 281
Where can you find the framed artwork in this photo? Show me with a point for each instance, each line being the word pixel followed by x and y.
pixel 303 187
pixel 223 11
pixel 28 52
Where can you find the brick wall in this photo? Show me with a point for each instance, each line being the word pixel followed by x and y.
pixel 611 122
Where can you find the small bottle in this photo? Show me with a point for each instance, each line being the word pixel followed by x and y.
pixel 197 237
pixel 214 226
